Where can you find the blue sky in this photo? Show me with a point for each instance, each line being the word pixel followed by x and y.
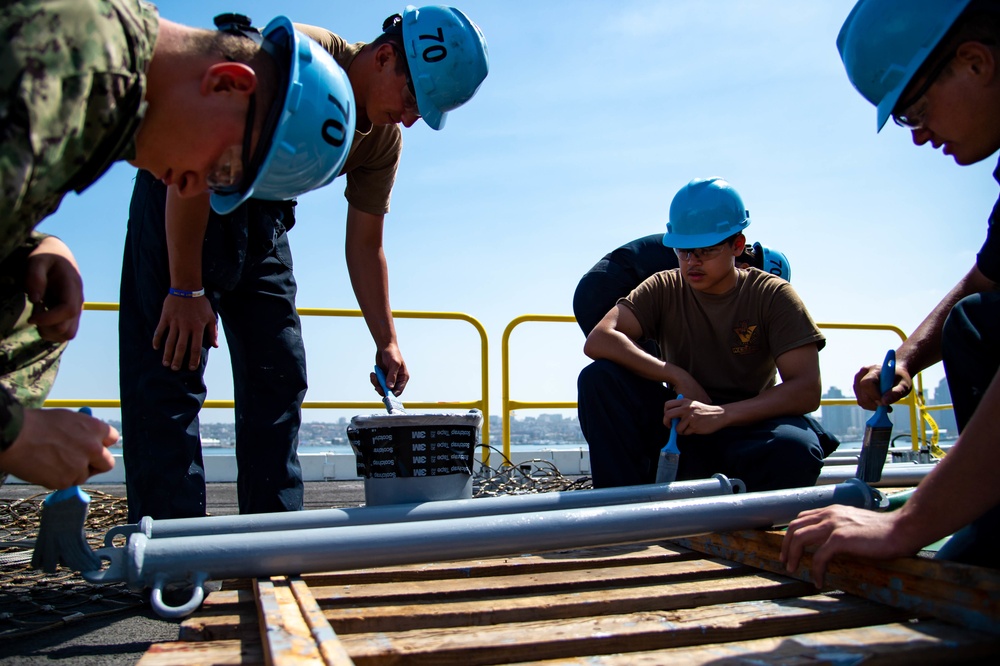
pixel 593 116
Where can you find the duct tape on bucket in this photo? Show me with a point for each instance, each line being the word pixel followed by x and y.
pixel 408 458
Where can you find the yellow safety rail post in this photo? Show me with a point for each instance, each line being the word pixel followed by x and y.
pixel 482 404
pixel 509 404
pixel 917 407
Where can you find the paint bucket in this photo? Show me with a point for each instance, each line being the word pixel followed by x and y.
pixel 410 458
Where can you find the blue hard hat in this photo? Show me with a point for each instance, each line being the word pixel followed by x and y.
pixel 772 261
pixel 884 42
pixel 448 60
pixel 705 212
pixel 312 135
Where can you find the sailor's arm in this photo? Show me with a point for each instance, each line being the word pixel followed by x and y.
pixel 922 349
pixel 798 393
pixel 55 448
pixel 616 337
pixel 370 279
pixel 960 489
pixel 185 320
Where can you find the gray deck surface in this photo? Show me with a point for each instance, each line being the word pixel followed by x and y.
pixel 123 637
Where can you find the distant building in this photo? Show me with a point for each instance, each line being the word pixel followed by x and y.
pixel 847 422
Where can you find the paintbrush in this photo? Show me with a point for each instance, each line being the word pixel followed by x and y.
pixel 878 429
pixel 670 455
pixel 61 539
pixel 392 403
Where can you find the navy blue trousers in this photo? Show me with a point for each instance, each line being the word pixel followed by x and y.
pixel 621 415
pixel 247 272
pixel 971 351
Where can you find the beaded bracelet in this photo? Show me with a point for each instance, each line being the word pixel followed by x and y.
pixel 187 294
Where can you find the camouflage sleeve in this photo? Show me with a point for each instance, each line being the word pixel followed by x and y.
pixel 11 418
pixel 11 277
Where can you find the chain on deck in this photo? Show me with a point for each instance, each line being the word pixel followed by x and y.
pixel 34 601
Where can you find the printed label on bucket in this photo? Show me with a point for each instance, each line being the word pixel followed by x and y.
pixel 413 451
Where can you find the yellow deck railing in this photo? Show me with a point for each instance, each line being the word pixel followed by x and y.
pixel 482 404
pixel 918 411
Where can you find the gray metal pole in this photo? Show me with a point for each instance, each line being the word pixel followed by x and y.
pixel 398 513
pixel 841 459
pixel 896 475
pixel 156 562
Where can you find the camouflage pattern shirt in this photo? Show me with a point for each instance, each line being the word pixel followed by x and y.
pixel 72 86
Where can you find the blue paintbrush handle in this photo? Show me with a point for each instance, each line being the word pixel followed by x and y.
pixel 73 492
pixel 888 376
pixel 886 380
pixel 381 380
pixel 671 446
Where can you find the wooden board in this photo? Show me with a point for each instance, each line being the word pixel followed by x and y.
pixel 642 604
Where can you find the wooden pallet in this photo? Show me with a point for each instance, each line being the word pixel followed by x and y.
pixel 714 599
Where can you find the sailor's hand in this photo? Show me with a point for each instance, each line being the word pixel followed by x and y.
pixel 185 324
pixel 684 384
pixel 693 417
pixel 868 393
pixel 842 530
pixel 59 448
pixel 391 361
pixel 55 288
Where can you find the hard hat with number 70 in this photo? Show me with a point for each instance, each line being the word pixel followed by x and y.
pixel 884 42
pixel 705 212
pixel 447 56
pixel 308 131
pixel 772 261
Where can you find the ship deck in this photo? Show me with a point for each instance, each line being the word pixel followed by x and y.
pixel 713 599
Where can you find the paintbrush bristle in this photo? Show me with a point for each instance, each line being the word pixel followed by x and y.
pixel 61 538
pixel 666 468
pixel 873 453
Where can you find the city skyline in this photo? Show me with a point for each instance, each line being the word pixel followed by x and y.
pixel 846 422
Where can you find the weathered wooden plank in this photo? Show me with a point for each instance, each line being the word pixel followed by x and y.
pixel 226 617
pixel 383 593
pixel 330 647
pixel 284 634
pixel 953 592
pixel 214 653
pixel 927 642
pixel 293 631
pixel 365 600
pixel 618 633
pixel 216 626
pixel 624 555
pixel 228 597
pixel 527 608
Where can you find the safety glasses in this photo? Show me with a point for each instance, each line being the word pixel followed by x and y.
pixel 227 176
pixel 701 253
pixel 912 113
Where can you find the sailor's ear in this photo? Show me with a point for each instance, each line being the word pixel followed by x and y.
pixel 233 77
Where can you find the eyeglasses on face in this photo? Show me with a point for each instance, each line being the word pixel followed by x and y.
pixel 912 113
pixel 701 253
pixel 406 69
pixel 227 174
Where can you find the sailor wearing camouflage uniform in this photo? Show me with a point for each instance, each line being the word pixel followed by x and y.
pixel 72 81
pixel 85 83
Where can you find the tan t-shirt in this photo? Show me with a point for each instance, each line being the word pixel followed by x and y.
pixel 727 342
pixel 371 165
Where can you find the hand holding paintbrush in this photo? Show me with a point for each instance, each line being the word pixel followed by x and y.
pixel 670 455
pixel 878 429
